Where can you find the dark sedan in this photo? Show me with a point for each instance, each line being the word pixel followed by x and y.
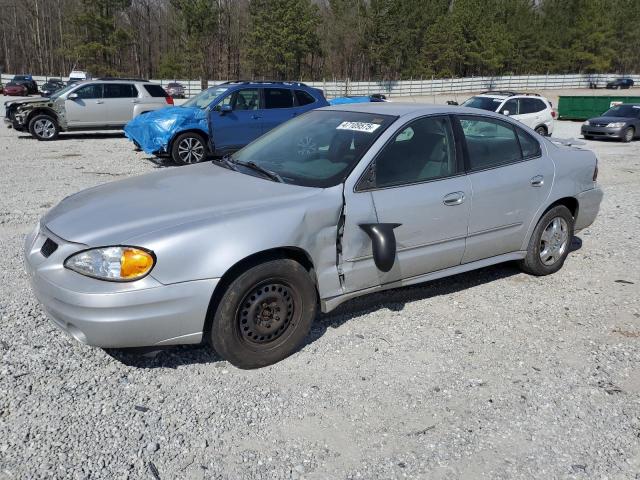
pixel 175 90
pixel 621 122
pixel 15 89
pixel 620 83
pixel 52 86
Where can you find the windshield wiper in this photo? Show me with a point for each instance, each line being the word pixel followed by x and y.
pixel 226 162
pixel 267 173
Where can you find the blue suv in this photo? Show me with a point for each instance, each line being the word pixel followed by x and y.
pixel 221 119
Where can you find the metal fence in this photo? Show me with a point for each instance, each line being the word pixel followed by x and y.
pixel 422 87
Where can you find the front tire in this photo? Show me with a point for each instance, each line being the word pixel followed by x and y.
pixel 265 314
pixel 628 134
pixel 44 127
pixel 189 148
pixel 550 242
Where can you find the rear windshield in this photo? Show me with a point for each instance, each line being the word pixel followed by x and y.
pixel 483 103
pixel 155 90
pixel 629 111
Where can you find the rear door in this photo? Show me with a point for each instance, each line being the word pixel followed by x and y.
pixel 531 111
pixel 243 124
pixel 304 102
pixel 120 99
pixel 279 106
pixel 88 109
pixel 510 177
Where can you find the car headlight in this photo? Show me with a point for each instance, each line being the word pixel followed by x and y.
pixel 586 122
pixel 615 125
pixel 115 264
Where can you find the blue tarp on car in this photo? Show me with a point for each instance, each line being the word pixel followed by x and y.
pixel 153 131
pixel 343 100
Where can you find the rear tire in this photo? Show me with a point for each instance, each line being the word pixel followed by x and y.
pixel 628 134
pixel 541 130
pixel 265 314
pixel 44 127
pixel 550 242
pixel 189 148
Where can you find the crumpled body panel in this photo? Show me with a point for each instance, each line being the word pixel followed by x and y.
pixel 153 131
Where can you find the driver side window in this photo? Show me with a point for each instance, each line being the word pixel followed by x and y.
pixel 89 91
pixel 246 99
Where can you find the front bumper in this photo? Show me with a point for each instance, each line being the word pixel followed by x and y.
pixel 588 207
pixel 110 314
pixel 602 132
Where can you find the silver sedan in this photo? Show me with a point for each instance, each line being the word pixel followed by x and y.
pixel 342 201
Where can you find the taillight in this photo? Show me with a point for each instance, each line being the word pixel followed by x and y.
pixel 169 100
pixel 595 171
pixel 553 113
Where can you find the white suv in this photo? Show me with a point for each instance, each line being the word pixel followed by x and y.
pixel 529 108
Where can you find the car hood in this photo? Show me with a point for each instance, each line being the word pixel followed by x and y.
pixel 611 119
pixel 115 212
pixel 153 131
pixel 26 101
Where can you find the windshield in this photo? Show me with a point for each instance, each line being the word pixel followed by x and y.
pixel 204 98
pixel 632 111
pixel 63 91
pixel 318 149
pixel 483 103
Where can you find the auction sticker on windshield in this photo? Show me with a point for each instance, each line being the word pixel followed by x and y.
pixel 358 126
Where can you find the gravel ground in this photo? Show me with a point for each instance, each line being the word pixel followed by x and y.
pixel 491 374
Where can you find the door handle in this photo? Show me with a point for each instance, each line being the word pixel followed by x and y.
pixel 455 198
pixel 135 101
pixel 256 117
pixel 99 102
pixel 537 181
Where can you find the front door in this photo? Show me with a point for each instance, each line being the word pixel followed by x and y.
pixel 88 108
pixel 511 177
pixel 416 182
pixel 234 129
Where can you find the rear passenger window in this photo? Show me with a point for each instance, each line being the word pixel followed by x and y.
pixel 510 106
pixel 423 150
pixel 531 105
pixel 303 98
pixel 490 143
pixel 530 147
pixel 120 90
pixel 155 90
pixel 278 98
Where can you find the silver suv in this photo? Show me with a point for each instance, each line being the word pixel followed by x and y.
pixel 102 104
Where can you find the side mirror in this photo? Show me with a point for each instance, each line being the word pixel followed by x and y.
pixel 505 113
pixel 72 96
pixel 225 109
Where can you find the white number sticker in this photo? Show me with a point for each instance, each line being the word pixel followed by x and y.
pixel 358 126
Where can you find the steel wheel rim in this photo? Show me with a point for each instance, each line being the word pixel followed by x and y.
pixel 44 128
pixel 266 313
pixel 190 150
pixel 554 241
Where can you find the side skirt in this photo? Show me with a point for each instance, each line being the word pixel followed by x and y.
pixel 328 304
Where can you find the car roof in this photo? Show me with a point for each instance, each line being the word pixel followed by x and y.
pixel 403 109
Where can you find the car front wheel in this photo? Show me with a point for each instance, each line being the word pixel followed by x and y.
pixel 628 134
pixel 188 148
pixel 44 127
pixel 550 242
pixel 264 314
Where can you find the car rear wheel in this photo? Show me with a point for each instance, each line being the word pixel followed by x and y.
pixel 550 242
pixel 265 314
pixel 44 127
pixel 188 148
pixel 628 134
pixel 541 130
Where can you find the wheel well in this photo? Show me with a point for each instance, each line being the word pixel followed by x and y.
pixel 544 127
pixel 191 130
pixel 569 202
pixel 41 111
pixel 290 253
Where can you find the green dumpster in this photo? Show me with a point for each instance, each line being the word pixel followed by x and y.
pixel 582 107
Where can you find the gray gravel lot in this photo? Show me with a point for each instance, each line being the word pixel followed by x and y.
pixel 490 374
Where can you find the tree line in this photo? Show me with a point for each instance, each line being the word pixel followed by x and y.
pixel 316 39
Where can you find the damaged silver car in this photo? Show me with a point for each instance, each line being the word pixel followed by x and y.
pixel 339 202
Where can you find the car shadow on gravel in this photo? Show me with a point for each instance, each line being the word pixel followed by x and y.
pixel 395 300
pixel 81 136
